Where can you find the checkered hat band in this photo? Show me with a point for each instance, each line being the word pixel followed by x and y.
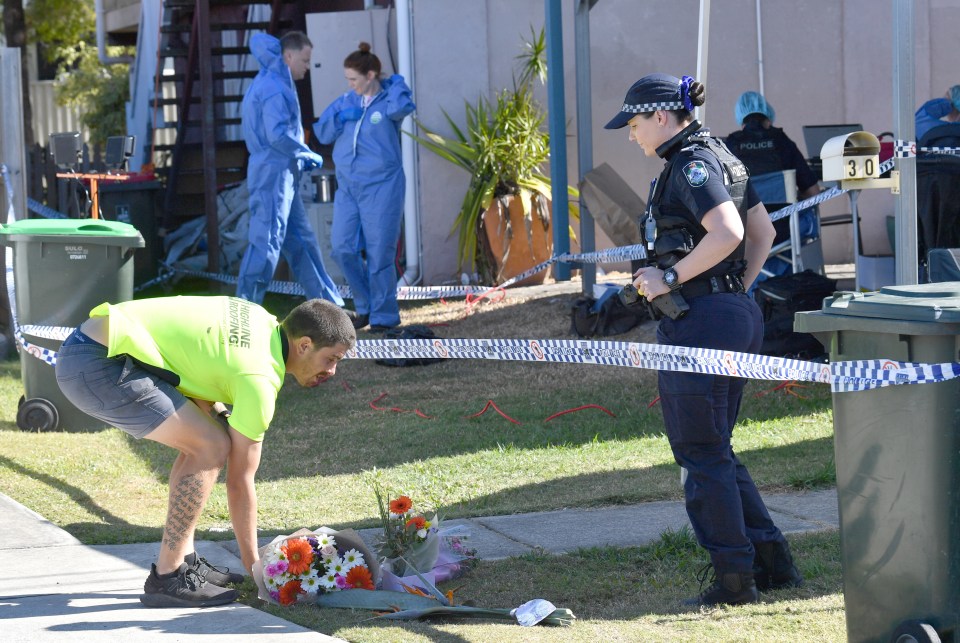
pixel 651 107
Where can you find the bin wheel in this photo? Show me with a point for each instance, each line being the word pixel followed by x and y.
pixel 915 632
pixel 37 414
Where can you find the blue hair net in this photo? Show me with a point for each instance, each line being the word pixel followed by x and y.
pixel 755 103
pixel 955 97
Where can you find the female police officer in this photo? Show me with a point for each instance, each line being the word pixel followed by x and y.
pixel 708 234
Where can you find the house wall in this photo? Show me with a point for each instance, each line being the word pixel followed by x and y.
pixel 824 62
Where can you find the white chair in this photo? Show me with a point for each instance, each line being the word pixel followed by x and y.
pixel 798 250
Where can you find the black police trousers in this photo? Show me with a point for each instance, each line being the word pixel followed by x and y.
pixel 699 413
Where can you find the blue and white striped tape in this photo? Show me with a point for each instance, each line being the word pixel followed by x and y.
pixel 842 376
pixel 907 149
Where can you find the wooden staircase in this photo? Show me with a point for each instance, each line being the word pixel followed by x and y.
pixel 203 158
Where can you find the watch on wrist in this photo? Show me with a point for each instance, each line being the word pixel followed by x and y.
pixel 671 279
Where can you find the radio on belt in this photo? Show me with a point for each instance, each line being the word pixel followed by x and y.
pixel 854 160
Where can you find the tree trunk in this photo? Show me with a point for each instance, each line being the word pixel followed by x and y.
pixel 15 32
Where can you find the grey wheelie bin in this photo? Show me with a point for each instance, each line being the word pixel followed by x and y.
pixel 897 454
pixel 62 269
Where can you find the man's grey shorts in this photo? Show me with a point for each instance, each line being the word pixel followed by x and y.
pixel 114 389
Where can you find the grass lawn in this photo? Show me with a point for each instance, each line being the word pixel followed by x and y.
pixel 327 445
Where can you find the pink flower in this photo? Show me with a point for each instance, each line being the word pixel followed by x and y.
pixel 276 568
pixel 342 582
pixel 328 551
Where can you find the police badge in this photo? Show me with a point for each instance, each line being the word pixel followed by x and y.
pixel 696 173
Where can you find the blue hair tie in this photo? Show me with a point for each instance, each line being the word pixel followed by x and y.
pixel 685 83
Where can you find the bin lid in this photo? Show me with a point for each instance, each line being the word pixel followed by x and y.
pixel 98 230
pixel 937 302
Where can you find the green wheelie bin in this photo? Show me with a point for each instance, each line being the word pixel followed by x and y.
pixel 897 455
pixel 62 268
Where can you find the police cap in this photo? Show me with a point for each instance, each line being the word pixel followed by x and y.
pixel 649 94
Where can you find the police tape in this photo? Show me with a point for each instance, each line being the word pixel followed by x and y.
pixel 408 293
pixel 908 149
pixel 826 195
pixel 842 376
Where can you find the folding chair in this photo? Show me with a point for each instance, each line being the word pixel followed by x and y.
pixel 797 243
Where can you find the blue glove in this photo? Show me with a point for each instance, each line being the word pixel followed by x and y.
pixel 351 114
pixel 311 161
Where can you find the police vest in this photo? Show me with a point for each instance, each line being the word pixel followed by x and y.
pixel 677 236
pixel 761 150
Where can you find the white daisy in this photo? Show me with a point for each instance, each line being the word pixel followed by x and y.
pixel 351 559
pixel 311 582
pixel 325 539
pixel 336 566
pixel 329 581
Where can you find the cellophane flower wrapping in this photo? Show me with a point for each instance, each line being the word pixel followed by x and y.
pixel 411 543
pixel 306 563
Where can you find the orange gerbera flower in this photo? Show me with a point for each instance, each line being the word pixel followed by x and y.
pixel 417 522
pixel 299 556
pixel 359 578
pixel 289 592
pixel 401 505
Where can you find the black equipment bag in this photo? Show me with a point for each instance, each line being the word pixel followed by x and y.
pixel 414 331
pixel 779 298
pixel 610 317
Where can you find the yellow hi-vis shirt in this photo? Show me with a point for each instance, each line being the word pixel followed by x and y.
pixel 223 349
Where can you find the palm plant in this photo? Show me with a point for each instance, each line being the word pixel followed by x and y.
pixel 503 147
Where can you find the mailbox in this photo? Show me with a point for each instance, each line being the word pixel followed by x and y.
pixel 854 160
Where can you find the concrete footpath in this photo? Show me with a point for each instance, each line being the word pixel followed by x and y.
pixel 54 588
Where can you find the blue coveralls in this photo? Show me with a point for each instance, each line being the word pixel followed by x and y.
pixel 368 205
pixel 699 410
pixel 278 223
pixel 931 114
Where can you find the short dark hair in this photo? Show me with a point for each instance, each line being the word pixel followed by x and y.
pixel 363 60
pixel 322 321
pixel 294 40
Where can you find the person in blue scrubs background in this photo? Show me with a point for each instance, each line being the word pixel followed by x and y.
pixel 274 136
pixel 938 111
pixel 709 234
pixel 364 126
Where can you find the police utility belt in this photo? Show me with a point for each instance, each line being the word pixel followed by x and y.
pixel 698 287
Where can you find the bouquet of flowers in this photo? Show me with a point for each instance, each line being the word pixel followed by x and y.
pixel 303 565
pixel 413 544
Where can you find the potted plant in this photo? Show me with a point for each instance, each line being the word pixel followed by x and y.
pixel 506 210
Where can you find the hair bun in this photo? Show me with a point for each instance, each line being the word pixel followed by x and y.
pixel 697 93
pixel 364 47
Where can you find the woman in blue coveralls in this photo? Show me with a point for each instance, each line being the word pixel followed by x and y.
pixel 364 126
pixel 711 236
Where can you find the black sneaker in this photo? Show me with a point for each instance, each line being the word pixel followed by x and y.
pixel 217 575
pixel 183 588
pixel 729 588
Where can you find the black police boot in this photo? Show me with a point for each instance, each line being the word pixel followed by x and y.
pixel 727 588
pixel 773 567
